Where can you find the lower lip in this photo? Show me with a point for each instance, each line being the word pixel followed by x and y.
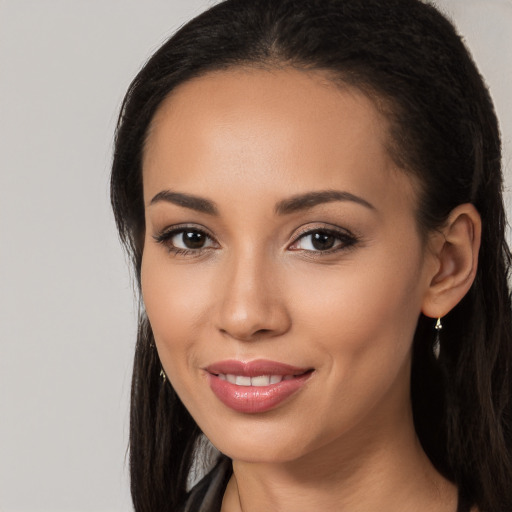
pixel 255 399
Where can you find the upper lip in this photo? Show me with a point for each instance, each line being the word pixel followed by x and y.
pixel 254 368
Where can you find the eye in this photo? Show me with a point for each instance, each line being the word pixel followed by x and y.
pixel 323 240
pixel 190 239
pixel 183 240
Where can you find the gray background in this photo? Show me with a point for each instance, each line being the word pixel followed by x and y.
pixel 66 306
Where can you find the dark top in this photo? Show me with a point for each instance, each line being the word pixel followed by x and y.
pixel 206 495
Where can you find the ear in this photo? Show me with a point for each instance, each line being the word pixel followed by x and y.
pixel 455 251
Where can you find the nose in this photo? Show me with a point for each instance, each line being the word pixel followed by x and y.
pixel 251 304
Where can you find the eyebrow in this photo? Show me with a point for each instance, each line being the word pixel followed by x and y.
pixel 311 199
pixel 199 204
pixel 284 207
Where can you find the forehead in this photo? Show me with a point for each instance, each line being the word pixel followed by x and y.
pixel 266 131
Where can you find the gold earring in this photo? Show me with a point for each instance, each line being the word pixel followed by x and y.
pixel 163 376
pixel 436 347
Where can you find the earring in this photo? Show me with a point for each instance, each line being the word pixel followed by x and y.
pixel 436 347
pixel 163 376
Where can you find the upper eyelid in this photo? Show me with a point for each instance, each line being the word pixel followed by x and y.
pixel 347 238
pixel 180 228
pixel 164 237
pixel 322 227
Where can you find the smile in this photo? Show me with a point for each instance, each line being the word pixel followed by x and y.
pixel 259 381
pixel 256 386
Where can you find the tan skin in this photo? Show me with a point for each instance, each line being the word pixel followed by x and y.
pixel 257 286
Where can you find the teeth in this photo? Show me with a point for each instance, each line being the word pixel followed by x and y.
pixel 262 380
pixel 242 380
pixel 258 381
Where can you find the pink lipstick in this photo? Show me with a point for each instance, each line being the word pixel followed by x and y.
pixel 255 386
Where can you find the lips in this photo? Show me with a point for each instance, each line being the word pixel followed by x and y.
pixel 255 386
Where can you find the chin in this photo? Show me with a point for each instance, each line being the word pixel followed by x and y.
pixel 260 441
pixel 261 454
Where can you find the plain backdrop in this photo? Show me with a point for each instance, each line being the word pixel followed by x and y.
pixel 67 314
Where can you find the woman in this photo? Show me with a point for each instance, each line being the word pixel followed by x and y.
pixel 311 194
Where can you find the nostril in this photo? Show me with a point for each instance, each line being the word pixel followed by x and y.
pixel 262 331
pixel 248 335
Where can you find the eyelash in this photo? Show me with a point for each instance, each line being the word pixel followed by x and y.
pixel 167 235
pixel 346 238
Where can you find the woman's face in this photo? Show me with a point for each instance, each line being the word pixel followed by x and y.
pixel 283 273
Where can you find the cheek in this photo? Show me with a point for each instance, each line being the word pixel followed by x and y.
pixel 176 298
pixel 359 322
pixel 366 309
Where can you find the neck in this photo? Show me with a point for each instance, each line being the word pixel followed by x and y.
pixel 385 470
